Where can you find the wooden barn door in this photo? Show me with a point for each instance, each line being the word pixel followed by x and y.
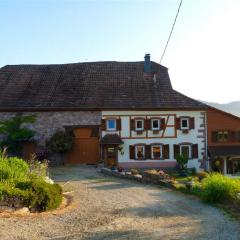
pixel 86 147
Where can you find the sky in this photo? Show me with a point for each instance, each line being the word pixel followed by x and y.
pixel 202 56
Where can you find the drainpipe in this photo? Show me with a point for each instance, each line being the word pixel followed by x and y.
pixel 206 144
pixel 225 166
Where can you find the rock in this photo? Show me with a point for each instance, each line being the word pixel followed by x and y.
pixel 23 210
pixel 49 180
pixel 6 209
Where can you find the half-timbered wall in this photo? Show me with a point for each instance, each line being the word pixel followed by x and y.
pixel 168 135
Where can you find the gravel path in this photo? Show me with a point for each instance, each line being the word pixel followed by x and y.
pixel 109 208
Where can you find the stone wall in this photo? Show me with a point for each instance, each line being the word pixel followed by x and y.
pixel 48 122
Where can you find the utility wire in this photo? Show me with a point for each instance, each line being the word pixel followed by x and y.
pixel 180 4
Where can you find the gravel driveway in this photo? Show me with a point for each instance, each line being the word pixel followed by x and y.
pixel 109 208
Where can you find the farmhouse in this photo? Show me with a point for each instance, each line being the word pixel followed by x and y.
pixel 125 113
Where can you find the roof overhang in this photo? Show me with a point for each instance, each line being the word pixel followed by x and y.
pixel 224 151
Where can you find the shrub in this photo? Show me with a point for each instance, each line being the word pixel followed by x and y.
pixel 218 188
pixel 43 196
pixel 13 169
pixel 11 195
pixel 14 132
pixel 60 142
pixel 38 169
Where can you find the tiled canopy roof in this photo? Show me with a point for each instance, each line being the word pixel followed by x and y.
pixel 95 85
pixel 111 139
pixel 221 151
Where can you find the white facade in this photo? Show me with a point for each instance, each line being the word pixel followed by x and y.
pixel 169 135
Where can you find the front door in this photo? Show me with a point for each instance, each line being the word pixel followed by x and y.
pixel 111 156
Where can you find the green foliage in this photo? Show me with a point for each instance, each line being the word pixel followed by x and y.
pixel 60 142
pixel 182 161
pixel 37 169
pixel 218 188
pixel 43 196
pixel 20 182
pixel 14 132
pixel 10 192
pixel 13 169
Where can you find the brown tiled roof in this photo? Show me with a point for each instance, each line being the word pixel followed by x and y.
pixel 111 139
pixel 95 85
pixel 221 151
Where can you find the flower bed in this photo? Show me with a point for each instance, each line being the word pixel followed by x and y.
pixel 148 176
pixel 26 185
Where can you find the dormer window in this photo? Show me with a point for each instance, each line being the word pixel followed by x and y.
pixel 184 123
pixel 155 124
pixel 111 125
pixel 139 124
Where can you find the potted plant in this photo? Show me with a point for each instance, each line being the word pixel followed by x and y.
pixel 182 161
pixel 59 144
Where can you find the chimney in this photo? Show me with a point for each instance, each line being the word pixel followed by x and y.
pixel 147 63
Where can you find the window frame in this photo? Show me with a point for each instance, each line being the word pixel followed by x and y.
pixel 144 152
pixel 161 151
pixel 111 129
pixel 139 129
pixel 188 123
pixel 155 119
pixel 189 148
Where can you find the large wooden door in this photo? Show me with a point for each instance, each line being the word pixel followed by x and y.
pixel 86 147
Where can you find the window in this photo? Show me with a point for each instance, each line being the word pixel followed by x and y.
pixel 185 150
pixel 111 124
pixel 156 152
pixel 155 124
pixel 139 125
pixel 184 123
pixel 139 152
pixel 222 136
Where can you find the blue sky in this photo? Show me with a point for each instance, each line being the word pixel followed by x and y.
pixel 202 56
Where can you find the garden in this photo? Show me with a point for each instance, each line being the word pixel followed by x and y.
pixel 25 185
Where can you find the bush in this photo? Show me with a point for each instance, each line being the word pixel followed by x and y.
pixel 43 196
pixel 218 188
pixel 14 132
pixel 13 169
pixel 60 142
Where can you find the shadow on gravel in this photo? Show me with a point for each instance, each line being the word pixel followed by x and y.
pixel 122 235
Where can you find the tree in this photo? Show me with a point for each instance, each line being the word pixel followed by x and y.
pixel 14 132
